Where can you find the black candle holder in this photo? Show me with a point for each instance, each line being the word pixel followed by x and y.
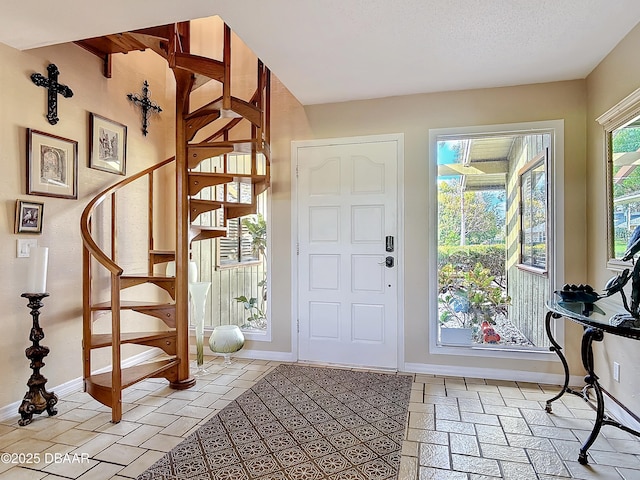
pixel 37 399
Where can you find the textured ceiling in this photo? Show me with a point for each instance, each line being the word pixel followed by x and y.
pixel 338 50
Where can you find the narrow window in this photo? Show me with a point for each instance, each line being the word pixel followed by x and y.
pixel 533 214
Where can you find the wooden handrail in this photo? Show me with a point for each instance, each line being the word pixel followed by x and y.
pixel 85 219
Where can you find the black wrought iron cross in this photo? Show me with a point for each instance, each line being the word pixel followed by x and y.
pixel 54 88
pixel 147 106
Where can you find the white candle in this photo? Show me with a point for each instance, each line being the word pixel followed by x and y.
pixel 37 273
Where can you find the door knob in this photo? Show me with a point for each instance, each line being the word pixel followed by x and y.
pixel 388 262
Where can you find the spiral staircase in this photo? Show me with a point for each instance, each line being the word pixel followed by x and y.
pixel 104 279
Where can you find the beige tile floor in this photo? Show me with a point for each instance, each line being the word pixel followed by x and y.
pixel 458 428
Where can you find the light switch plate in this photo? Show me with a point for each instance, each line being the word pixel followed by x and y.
pixel 24 246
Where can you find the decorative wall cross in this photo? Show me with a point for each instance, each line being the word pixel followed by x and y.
pixel 147 106
pixel 54 88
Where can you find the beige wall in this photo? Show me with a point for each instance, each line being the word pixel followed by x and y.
pixel 617 76
pixel 23 105
pixel 414 115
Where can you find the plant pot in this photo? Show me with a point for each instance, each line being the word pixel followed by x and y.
pixel 455 336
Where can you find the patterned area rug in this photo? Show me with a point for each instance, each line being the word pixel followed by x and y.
pixel 299 423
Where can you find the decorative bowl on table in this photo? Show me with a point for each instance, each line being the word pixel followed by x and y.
pixel 578 294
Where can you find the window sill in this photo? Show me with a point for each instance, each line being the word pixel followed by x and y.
pixel 534 270
pixel 496 351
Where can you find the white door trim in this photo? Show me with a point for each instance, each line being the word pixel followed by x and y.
pixel 295 145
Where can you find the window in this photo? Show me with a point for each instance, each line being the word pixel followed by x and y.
pixel 246 231
pixel 625 186
pixel 493 280
pixel 235 248
pixel 236 264
pixel 622 139
pixel 533 214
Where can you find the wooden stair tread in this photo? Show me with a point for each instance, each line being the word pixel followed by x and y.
pixel 235 177
pixel 110 44
pixel 132 305
pixel 155 43
pixel 132 375
pixel 197 233
pixel 155 276
pixel 236 210
pixel 198 152
pixel 104 339
pixel 200 180
pixel 161 256
pixel 213 69
pixel 162 252
pixel 244 145
pixel 205 115
pixel 198 206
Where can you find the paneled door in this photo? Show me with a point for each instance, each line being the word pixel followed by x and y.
pixel 347 221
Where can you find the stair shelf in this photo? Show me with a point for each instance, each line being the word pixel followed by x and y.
pixel 190 71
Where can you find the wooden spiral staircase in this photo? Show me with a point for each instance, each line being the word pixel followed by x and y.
pixel 103 277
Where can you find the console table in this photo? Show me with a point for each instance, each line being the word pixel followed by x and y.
pixel 596 321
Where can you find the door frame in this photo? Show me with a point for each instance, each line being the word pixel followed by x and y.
pixel 297 144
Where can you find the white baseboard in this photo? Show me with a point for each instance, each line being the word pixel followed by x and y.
pixel 253 355
pixel 620 413
pixel 492 373
pixel 266 355
pixel 9 412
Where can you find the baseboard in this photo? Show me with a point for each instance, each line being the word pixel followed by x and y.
pixel 250 354
pixel 492 373
pixel 620 412
pixel 10 411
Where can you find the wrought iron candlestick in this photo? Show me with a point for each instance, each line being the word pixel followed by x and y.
pixel 37 399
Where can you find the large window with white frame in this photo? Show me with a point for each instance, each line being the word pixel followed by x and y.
pixel 496 263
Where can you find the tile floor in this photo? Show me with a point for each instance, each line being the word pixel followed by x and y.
pixel 458 428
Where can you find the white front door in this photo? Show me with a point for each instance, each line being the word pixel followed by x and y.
pixel 347 219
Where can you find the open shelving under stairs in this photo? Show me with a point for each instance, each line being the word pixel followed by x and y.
pixel 116 300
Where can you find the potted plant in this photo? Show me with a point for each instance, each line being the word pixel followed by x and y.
pixel 469 301
pixel 257 319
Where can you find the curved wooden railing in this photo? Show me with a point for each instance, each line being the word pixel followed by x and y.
pixel 92 249
pixel 87 214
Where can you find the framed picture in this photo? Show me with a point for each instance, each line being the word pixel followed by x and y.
pixel 108 145
pixel 29 217
pixel 52 165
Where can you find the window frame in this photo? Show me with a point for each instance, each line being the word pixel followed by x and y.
pixel 556 243
pixel 616 117
pixel 540 159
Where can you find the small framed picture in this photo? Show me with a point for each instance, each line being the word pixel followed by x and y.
pixel 29 217
pixel 52 165
pixel 108 145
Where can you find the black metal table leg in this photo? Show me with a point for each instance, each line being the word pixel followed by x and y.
pixel 555 347
pixel 589 336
